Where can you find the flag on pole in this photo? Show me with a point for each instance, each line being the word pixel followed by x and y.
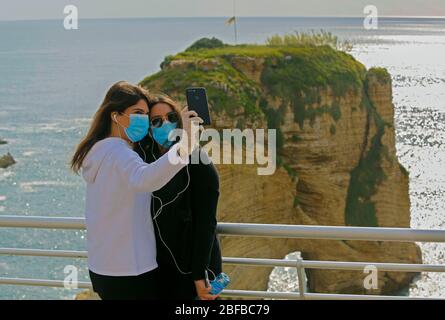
pixel 230 20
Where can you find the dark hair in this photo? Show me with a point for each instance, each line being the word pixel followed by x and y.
pixel 119 97
pixel 150 148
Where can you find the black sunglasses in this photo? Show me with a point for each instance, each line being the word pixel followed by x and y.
pixel 157 121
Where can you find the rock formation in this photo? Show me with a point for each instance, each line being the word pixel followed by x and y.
pixel 6 161
pixel 336 153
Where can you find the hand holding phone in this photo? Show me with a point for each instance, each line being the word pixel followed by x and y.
pixel 197 101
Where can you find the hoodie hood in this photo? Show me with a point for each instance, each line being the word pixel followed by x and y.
pixel 93 160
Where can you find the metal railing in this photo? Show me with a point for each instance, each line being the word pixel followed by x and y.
pixel 253 230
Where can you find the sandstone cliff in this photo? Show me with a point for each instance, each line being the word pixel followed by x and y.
pixel 336 150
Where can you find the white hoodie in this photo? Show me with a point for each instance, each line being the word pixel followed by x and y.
pixel 120 234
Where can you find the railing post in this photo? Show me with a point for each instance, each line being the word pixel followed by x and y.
pixel 301 278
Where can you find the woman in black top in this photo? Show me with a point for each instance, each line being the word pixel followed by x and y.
pixel 184 213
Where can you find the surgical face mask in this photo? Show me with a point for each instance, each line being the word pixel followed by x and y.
pixel 138 127
pixel 161 134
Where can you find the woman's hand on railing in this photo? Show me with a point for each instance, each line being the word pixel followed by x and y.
pixel 203 291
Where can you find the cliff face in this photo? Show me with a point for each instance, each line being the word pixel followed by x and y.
pixel 336 153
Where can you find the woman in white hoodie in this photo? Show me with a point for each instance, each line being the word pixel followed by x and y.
pixel 120 235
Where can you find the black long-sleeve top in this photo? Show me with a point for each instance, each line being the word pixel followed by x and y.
pixel 188 225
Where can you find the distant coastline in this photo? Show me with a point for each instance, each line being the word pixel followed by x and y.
pixel 225 17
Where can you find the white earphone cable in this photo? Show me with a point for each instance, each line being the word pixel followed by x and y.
pixel 159 211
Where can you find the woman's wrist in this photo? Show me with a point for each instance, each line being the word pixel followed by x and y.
pixel 181 151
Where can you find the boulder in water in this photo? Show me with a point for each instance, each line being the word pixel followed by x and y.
pixel 6 161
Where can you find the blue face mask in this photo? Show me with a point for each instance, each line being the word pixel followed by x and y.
pixel 138 127
pixel 161 134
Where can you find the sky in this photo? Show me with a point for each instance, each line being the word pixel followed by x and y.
pixel 53 9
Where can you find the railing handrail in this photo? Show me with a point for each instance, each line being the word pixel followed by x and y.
pixel 306 264
pixel 258 230
pixel 253 230
pixel 227 293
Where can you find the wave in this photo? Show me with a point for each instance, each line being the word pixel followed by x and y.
pixel 423 127
pixel 29 186
pixel 28 153
pixel 5 174
pixel 9 129
pixel 413 39
pixel 2 198
pixel 60 125
pixel 413 81
pixel 56 125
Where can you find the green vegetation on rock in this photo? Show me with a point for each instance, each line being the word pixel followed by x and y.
pixel 381 74
pixel 291 171
pixel 296 202
pixel 368 175
pixel 294 74
pixel 310 39
pixel 206 43
pixel 227 88
pixel 298 74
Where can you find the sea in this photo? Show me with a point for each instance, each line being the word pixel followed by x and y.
pixel 52 81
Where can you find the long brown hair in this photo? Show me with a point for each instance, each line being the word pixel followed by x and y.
pixel 150 151
pixel 119 97
pixel 163 98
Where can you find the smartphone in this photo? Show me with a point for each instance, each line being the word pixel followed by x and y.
pixel 197 101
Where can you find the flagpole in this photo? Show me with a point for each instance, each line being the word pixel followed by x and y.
pixel 234 25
